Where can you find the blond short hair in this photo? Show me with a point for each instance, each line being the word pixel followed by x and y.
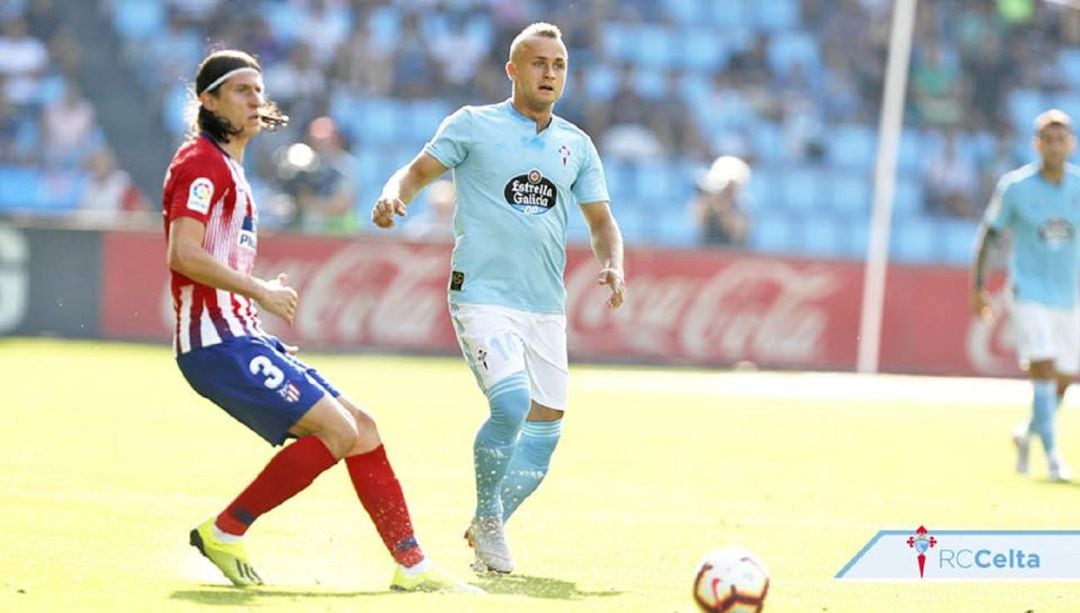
pixel 540 28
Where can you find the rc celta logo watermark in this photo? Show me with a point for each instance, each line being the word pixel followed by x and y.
pixel 967 554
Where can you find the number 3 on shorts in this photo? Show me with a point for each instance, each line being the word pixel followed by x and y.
pixel 262 365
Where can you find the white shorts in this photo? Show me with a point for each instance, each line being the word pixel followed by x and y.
pixel 498 341
pixel 1047 333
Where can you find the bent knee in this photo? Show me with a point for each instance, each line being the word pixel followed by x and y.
pixel 341 438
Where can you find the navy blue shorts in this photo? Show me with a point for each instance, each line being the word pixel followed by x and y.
pixel 256 381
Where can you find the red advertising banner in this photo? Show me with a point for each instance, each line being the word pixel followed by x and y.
pixel 691 307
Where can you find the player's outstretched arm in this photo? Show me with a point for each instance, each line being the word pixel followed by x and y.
pixel 402 187
pixel 607 245
pixel 980 298
pixel 187 256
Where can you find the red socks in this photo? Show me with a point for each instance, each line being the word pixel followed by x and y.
pixel 287 473
pixel 380 493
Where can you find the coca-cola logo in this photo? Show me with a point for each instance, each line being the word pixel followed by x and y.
pixel 368 293
pixel 756 309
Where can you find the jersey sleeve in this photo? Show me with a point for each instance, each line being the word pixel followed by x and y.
pixel 590 185
pixel 450 145
pixel 195 187
pixel 999 211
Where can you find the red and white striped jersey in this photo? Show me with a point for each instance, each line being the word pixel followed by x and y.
pixel 206 184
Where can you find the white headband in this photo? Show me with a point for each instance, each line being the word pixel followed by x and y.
pixel 229 75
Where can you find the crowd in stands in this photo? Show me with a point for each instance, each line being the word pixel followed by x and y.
pixel 791 87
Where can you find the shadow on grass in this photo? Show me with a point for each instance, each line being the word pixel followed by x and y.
pixel 518 585
pixel 538 587
pixel 231 596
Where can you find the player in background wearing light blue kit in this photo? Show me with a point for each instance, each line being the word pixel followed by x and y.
pixel 1039 204
pixel 518 170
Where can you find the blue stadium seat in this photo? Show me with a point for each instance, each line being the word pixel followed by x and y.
pixel 849 194
pixel 378 120
pixel 385 25
pixel 908 198
pixel 137 19
pixel 1024 105
pixel 823 237
pixel 959 240
pixel 651 83
pixel 909 156
pixel 853 146
pixel 801 189
pixel 653 182
pixel 284 18
pixel 676 228
pixel 685 11
pixel 1069 65
pixel 634 222
pixel 620 41
pixel 786 49
pixel 857 239
pixel 728 13
pixel 701 49
pixel 775 15
pixel 602 82
pixel 774 233
pixel 915 241
pixel 424 118
pixel 656 47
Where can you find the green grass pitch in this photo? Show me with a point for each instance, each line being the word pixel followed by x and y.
pixel 107 459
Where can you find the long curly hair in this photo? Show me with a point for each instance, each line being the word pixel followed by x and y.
pixel 207 79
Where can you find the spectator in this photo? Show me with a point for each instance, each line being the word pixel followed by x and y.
pixel 951 182
pixel 109 195
pixel 318 175
pixel 717 207
pixel 435 222
pixel 70 128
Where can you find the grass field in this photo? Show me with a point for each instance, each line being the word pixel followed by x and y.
pixel 107 459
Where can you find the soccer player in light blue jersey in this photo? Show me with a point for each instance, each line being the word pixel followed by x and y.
pixel 518 170
pixel 1039 205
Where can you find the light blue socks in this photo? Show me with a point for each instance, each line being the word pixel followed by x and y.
pixel 509 400
pixel 530 463
pixel 1042 418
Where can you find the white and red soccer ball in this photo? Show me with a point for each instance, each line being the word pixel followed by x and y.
pixel 731 580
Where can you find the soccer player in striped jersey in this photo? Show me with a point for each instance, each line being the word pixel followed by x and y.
pixel 1039 206
pixel 519 171
pixel 211 227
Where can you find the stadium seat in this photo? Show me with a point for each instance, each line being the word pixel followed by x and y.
pixel 908 199
pixel 730 13
pixel 284 18
pixel 137 19
pixel 1069 65
pixel 1024 105
pixel 653 181
pixel 801 189
pixel 909 156
pixel 676 228
pixel 775 15
pixel 701 49
pixel 774 233
pixel 821 236
pixel 853 146
pixel 685 11
pixel 655 48
pixel 959 240
pixel 848 194
pixel 786 49
pixel 856 239
pixel 915 241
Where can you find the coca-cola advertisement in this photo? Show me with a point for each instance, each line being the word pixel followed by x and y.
pixel 700 307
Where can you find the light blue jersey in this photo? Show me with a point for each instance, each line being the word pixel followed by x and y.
pixel 514 191
pixel 1043 218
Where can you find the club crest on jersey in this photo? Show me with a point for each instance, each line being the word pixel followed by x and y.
pixel 200 194
pixel 564 153
pixel 532 193
pixel 1056 232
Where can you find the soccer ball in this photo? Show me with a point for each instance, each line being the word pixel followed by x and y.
pixel 731 580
